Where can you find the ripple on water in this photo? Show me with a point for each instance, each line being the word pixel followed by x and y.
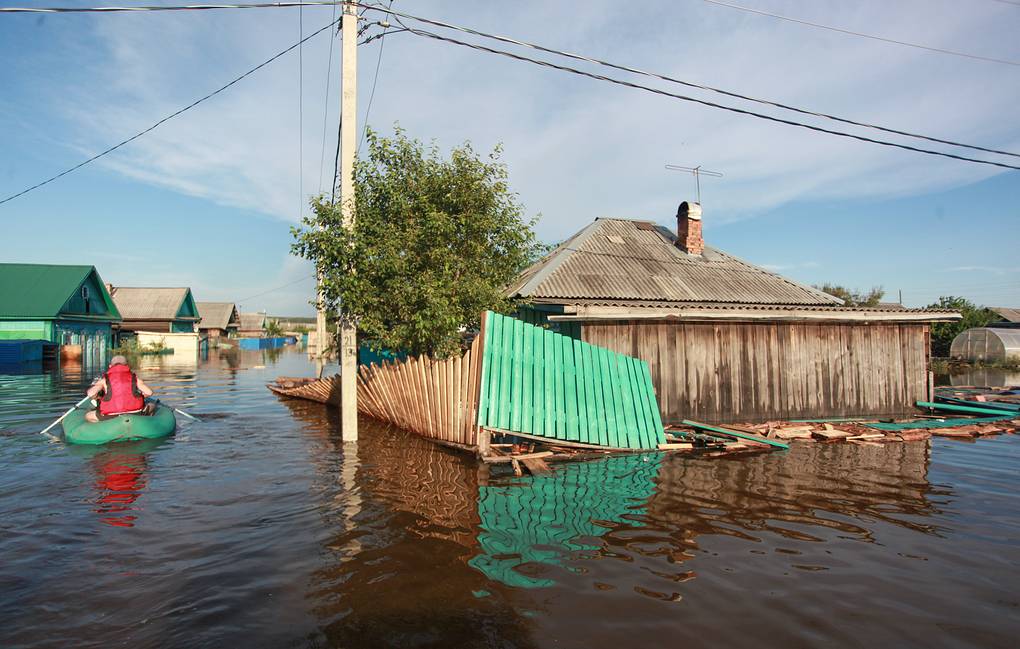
pixel 259 527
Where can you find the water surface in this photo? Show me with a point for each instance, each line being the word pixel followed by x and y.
pixel 259 528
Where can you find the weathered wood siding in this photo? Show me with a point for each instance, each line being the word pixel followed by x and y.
pixel 743 371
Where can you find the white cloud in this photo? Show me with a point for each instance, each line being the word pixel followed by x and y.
pixel 576 148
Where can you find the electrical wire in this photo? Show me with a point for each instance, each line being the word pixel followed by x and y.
pixel 325 107
pixel 587 59
pixel 366 8
pixel 375 80
pixel 301 112
pixel 733 109
pixel 863 35
pixel 197 7
pixel 168 117
pixel 273 290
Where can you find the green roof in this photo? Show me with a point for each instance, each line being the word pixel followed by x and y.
pixel 42 291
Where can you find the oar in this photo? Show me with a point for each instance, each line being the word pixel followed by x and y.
pixel 179 411
pixel 46 431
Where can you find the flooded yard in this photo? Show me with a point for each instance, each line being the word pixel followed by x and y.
pixel 258 528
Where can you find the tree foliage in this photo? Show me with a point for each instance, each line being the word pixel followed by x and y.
pixel 942 333
pixel 436 242
pixel 273 328
pixel 854 298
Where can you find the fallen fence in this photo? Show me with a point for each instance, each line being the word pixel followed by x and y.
pixel 543 384
pixel 437 399
pixel 516 378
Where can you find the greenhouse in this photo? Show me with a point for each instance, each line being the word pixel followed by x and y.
pixel 987 345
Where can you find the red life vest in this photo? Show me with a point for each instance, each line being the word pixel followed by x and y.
pixel 121 393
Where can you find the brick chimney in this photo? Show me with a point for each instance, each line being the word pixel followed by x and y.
pixel 688 228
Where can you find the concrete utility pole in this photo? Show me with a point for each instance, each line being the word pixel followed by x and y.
pixel 348 348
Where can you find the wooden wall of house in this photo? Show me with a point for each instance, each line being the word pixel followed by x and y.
pixel 146 325
pixel 749 371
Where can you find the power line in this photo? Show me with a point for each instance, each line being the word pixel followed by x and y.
pixel 301 112
pixel 273 290
pixel 587 59
pixel 197 7
pixel 863 35
pixel 544 49
pixel 168 117
pixel 703 102
pixel 375 80
pixel 325 107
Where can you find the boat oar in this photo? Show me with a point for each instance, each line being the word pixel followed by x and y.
pixel 46 431
pixel 178 410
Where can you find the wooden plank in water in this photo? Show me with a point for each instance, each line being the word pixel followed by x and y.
pixel 733 433
pixel 535 465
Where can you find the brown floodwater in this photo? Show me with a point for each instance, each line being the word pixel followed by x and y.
pixel 259 528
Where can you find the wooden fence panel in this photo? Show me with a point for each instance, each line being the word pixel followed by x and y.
pixel 437 399
pixel 517 377
pixel 541 383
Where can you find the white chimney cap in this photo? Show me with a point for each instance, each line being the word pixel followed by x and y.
pixel 690 209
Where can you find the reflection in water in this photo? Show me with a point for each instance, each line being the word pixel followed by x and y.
pixel 402 516
pixel 822 486
pixel 120 478
pixel 982 377
pixel 545 517
pixel 261 528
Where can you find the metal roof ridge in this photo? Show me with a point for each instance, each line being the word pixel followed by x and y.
pixel 810 289
pixel 557 258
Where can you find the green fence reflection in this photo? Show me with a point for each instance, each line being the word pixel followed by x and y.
pixel 545 518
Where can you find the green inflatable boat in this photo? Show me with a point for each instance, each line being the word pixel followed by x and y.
pixel 121 428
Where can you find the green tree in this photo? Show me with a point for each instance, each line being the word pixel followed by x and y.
pixel 436 242
pixel 854 298
pixel 942 333
pixel 273 328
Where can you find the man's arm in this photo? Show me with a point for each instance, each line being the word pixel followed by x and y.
pixel 144 389
pixel 97 387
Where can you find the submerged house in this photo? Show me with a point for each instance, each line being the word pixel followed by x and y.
pixel 219 319
pixel 253 325
pixel 727 341
pixel 64 305
pixel 166 316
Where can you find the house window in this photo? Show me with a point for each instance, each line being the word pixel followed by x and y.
pixel 85 298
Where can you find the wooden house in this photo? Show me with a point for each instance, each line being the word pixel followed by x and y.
pixel 219 319
pixel 170 310
pixel 165 317
pixel 65 305
pixel 727 341
pixel 253 325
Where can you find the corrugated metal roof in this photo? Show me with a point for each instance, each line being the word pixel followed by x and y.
pixel 1009 314
pixel 253 321
pixel 42 290
pixel 217 315
pixel 137 303
pixel 822 308
pixel 620 259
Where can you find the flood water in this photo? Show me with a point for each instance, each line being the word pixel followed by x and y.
pixel 258 528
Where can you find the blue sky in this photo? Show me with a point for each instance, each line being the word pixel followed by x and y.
pixel 207 199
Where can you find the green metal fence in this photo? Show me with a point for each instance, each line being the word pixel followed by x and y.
pixel 538 382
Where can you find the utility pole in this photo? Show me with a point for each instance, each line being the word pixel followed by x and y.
pixel 348 344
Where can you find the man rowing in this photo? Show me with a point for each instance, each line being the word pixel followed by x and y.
pixel 119 391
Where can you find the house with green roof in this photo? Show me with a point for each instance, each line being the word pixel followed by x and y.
pixel 62 304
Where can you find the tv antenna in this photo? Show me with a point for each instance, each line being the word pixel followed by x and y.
pixel 697 172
